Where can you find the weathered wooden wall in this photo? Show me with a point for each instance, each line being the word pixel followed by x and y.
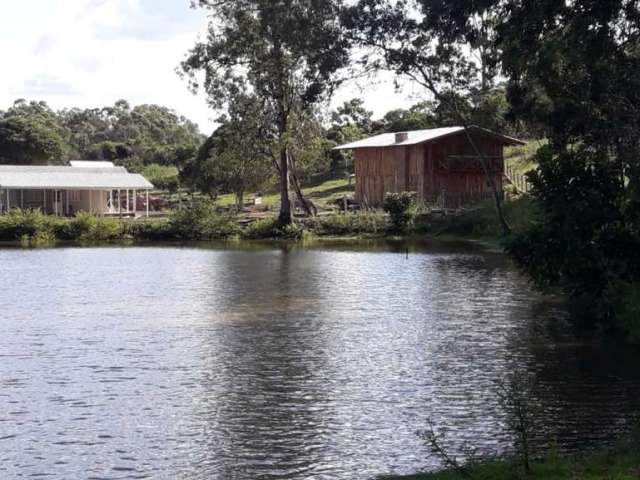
pixel 446 165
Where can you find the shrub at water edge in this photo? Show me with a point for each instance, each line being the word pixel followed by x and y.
pixel 26 225
pixel 200 221
pixel 271 228
pixel 361 223
pixel 88 227
pixel 402 209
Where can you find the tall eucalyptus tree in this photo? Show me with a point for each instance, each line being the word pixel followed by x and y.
pixel 286 52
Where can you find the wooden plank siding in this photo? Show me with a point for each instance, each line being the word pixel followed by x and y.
pixel 445 165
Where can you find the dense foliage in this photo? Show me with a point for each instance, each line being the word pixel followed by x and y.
pixel 580 80
pixel 237 157
pixel 32 133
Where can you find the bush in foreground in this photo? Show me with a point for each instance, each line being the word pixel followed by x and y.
pixel 349 224
pixel 402 209
pixel 200 221
pixel 270 228
pixel 88 227
pixel 26 225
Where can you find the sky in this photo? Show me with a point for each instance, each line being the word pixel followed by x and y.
pixel 91 53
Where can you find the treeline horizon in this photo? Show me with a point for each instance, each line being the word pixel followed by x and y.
pixel 32 133
pixel 155 140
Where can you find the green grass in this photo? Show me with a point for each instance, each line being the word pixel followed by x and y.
pixel 619 463
pixel 481 221
pixel 321 194
pixel 521 158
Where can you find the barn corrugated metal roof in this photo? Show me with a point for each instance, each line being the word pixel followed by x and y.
pixel 422 136
pixel 73 178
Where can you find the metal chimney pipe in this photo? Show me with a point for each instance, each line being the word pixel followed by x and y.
pixel 402 137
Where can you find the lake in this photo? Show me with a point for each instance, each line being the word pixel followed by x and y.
pixel 282 362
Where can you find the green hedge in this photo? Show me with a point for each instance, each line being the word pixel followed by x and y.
pixel 200 222
pixel 26 225
pixel 349 224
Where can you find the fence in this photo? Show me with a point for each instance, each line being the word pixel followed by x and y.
pixel 455 200
pixel 516 179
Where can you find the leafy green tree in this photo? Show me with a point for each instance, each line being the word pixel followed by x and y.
pixel 142 135
pixel 419 117
pixel 285 52
pixel 237 157
pixel 163 177
pixel 310 148
pixel 86 127
pixel 133 137
pixel 584 243
pixel 349 122
pixel 28 141
pixel 573 67
pixel 353 113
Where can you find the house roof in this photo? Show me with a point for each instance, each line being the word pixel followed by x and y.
pixel 72 178
pixel 90 164
pixel 416 137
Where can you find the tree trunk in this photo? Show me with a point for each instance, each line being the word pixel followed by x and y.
pixel 285 217
pixel 308 206
pixel 239 200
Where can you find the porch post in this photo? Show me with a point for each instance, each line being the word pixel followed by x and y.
pixel 135 203
pixel 8 201
pixel 147 203
pixel 119 204
pixel 66 201
pixel 55 203
pixel 127 195
pixel 22 199
pixel 90 201
pixel 44 201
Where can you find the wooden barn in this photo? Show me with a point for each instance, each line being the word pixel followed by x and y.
pixel 440 165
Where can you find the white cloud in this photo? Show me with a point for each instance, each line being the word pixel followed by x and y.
pixel 88 53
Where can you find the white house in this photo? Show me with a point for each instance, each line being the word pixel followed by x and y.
pixel 98 187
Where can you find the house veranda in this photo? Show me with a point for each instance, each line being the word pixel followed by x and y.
pixel 97 187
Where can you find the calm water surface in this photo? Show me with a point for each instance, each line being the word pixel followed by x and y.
pixel 279 362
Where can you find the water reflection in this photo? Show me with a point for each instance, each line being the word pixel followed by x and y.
pixel 280 362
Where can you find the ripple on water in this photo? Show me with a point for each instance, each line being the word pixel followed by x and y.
pixel 279 364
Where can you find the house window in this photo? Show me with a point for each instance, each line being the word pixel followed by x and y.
pixel 74 196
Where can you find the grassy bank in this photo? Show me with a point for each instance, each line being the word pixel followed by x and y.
pixel 621 462
pixel 203 222
pixel 481 222
pixel 322 194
